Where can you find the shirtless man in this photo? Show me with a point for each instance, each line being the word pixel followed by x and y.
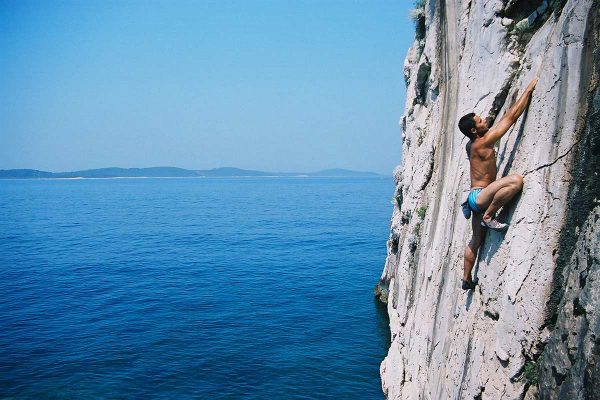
pixel 488 194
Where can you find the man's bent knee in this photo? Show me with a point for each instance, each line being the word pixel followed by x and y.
pixel 517 181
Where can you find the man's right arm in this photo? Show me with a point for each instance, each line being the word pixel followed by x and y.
pixel 511 116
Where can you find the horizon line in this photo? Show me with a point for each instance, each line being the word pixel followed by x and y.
pixel 198 170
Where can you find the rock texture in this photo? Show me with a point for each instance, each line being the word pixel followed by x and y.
pixel 531 328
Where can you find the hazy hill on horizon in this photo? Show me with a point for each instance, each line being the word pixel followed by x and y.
pixel 173 172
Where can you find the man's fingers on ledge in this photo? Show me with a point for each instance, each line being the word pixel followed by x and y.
pixel 533 82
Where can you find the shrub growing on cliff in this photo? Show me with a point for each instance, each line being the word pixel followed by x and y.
pixel 417 229
pixel 417 14
pixel 530 373
pixel 421 212
pixel 419 11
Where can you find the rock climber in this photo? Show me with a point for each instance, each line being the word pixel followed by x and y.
pixel 487 193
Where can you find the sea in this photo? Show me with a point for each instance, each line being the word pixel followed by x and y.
pixel 193 288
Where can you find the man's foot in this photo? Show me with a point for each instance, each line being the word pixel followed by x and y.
pixel 494 225
pixel 468 285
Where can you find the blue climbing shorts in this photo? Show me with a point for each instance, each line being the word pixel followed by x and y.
pixel 472 199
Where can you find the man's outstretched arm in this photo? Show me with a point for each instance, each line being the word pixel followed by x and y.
pixel 511 116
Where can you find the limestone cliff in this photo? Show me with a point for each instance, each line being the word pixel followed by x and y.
pixel 531 327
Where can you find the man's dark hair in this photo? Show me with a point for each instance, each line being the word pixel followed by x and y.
pixel 467 123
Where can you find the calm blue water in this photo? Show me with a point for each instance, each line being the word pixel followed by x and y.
pixel 192 288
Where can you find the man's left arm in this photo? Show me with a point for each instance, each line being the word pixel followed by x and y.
pixel 511 116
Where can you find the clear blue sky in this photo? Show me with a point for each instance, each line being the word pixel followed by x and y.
pixel 268 85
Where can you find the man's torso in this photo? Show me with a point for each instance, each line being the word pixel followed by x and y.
pixel 483 164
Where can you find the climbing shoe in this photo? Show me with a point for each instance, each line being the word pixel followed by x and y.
pixel 466 209
pixel 495 225
pixel 468 285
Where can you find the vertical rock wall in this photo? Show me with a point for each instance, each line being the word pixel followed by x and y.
pixel 531 327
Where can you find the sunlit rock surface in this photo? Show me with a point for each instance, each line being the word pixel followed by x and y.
pixel 531 328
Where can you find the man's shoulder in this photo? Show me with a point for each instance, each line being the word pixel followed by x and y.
pixel 485 141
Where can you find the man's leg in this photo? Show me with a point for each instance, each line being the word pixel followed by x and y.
pixel 473 246
pixel 497 194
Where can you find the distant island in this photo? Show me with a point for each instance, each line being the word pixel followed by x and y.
pixel 173 172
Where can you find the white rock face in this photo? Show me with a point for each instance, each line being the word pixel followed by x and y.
pixel 505 339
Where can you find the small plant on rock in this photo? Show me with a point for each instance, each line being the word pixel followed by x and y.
pixel 417 229
pixel 417 14
pixel 530 372
pixel 421 212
